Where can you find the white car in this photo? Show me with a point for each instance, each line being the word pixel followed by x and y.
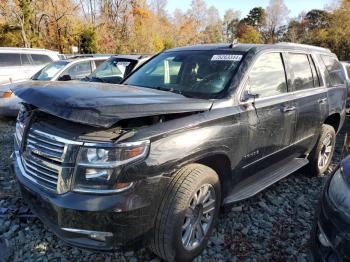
pixel 69 69
pixel 21 63
pixel 63 70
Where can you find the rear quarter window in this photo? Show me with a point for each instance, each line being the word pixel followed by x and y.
pixel 333 71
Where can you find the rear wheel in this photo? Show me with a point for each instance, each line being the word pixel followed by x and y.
pixel 321 156
pixel 187 214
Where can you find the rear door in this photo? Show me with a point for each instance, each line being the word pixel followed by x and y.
pixel 310 100
pixel 270 115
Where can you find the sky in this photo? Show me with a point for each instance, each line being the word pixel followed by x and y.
pixel 295 6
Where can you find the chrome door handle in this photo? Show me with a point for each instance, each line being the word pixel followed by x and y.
pixel 288 109
pixel 322 101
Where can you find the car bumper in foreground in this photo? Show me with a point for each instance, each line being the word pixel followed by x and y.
pixel 331 234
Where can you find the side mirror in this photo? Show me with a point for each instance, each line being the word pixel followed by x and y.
pixel 64 78
pixel 247 94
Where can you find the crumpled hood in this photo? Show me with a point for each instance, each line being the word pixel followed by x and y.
pixel 100 104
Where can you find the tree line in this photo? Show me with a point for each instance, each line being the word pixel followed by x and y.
pixel 145 26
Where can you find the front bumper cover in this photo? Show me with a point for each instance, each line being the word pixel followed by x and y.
pixel 82 220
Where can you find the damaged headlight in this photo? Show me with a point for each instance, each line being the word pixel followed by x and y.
pixel 339 192
pixel 98 167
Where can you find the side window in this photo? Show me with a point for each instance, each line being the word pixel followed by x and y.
pixel 267 77
pixel 25 60
pixel 40 59
pixel 10 59
pixel 333 70
pixel 303 76
pixel 79 70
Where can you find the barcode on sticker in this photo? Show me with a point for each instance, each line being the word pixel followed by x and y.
pixel 226 58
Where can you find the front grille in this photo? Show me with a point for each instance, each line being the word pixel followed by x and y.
pixel 44 145
pixel 42 158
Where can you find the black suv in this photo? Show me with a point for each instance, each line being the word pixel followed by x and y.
pixel 194 128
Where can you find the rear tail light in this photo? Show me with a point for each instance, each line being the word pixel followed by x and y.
pixel 7 94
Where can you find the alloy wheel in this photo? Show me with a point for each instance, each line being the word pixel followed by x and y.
pixel 198 217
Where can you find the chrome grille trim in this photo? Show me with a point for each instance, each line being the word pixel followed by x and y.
pixel 44 159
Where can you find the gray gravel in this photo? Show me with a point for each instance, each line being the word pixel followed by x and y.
pixel 272 226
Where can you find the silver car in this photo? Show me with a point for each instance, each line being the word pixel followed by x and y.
pixel 62 70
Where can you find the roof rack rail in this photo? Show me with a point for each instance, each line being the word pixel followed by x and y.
pixel 303 45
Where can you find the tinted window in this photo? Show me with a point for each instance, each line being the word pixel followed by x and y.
pixel 335 73
pixel 10 59
pixel 192 73
pixel 79 71
pixel 41 59
pixel 267 77
pixel 302 71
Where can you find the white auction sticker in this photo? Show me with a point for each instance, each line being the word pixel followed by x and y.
pixel 226 58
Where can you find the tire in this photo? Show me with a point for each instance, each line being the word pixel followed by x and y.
pixel 318 152
pixel 169 238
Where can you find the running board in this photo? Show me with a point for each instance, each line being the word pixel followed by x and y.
pixel 263 179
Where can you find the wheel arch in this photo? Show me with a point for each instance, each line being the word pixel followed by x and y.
pixel 221 164
pixel 334 121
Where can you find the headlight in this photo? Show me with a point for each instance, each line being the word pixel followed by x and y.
pixel 98 167
pixel 339 192
pixel 20 123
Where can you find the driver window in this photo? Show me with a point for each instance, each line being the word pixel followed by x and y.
pixel 267 76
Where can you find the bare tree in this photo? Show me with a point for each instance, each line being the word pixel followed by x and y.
pixel 276 14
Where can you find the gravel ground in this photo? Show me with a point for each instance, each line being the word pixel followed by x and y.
pixel 272 226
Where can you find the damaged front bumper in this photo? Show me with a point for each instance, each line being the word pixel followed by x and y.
pixel 99 222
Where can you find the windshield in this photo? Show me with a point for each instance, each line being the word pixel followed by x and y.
pixel 194 73
pixel 113 70
pixel 49 71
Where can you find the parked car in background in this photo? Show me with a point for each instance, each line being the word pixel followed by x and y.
pixel 331 231
pixel 22 63
pixel 346 68
pixel 194 128
pixel 69 69
pixel 62 70
pixel 116 68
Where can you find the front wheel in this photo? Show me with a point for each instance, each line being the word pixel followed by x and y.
pixel 321 156
pixel 187 214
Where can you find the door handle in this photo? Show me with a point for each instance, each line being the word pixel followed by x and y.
pixel 288 109
pixel 322 101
